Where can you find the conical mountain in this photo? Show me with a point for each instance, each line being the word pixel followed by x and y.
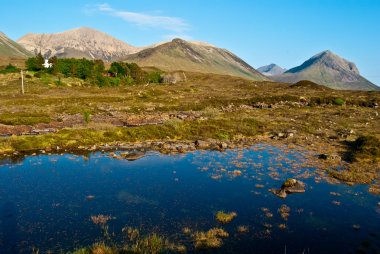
pixel 196 57
pixel 77 43
pixel 271 70
pixel 10 48
pixel 328 69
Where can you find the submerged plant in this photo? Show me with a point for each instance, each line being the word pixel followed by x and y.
pixel 225 218
pixel 152 243
pixel 97 248
pixel 101 220
pixel 101 248
pixel 186 231
pixel 210 239
pixel 284 211
pixel 242 229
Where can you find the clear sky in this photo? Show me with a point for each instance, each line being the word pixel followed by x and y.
pixel 285 32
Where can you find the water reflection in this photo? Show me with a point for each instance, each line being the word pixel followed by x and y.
pixel 56 198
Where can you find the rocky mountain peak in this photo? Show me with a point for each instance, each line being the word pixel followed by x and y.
pixel 271 70
pixel 327 68
pixel 79 42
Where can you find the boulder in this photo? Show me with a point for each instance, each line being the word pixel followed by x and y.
pixel 133 155
pixel 330 157
pixel 201 144
pixel 173 78
pixel 288 187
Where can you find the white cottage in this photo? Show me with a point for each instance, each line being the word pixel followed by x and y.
pixel 47 64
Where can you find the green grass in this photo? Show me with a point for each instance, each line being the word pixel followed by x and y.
pixel 23 118
pixel 223 128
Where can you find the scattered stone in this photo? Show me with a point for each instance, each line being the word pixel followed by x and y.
pixel 201 144
pixel 262 105
pixel 90 197
pixel 330 157
pixel 288 187
pixel 223 145
pixel 237 172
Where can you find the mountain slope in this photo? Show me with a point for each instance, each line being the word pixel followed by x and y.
pixel 196 57
pixel 327 68
pixel 9 48
pixel 77 43
pixel 271 70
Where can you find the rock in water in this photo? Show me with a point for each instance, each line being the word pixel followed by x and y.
pixel 288 187
pixel 132 156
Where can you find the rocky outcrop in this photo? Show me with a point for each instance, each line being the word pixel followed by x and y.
pixel 288 187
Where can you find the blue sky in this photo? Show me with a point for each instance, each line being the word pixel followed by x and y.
pixel 286 32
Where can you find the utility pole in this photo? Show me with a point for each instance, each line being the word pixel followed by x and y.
pixel 22 82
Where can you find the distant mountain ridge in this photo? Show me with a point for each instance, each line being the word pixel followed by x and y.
pixel 329 69
pixel 271 70
pixel 77 43
pixel 173 55
pixel 325 68
pixel 10 48
pixel 194 56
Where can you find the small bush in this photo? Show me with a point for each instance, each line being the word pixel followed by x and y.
pixel 10 69
pixel 339 101
pixel 86 116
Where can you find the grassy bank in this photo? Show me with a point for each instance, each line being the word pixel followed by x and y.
pixel 220 128
pixel 204 106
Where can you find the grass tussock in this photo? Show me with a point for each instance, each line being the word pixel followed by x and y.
pixel 225 218
pixel 365 148
pixel 210 239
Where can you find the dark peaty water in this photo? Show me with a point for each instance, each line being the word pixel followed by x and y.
pixel 46 202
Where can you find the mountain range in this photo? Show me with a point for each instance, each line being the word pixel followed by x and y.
pixel 78 43
pixel 271 70
pixel 325 68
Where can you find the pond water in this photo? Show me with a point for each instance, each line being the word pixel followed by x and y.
pixel 46 201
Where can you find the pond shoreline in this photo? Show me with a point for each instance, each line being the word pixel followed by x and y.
pixel 323 155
